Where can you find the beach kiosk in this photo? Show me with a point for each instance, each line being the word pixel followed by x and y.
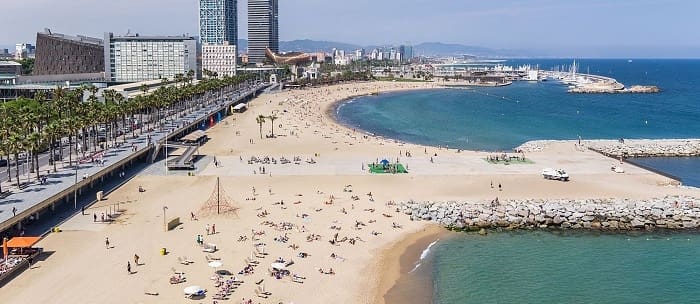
pixel 240 108
pixel 17 254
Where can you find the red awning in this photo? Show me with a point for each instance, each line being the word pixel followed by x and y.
pixel 23 241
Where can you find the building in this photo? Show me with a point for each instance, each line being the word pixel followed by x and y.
pixel 263 29
pixel 218 22
pixel 219 59
pixel 58 54
pixel 5 54
pixel 135 58
pixel 24 51
pixel 9 70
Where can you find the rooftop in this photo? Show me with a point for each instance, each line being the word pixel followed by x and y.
pixel 9 63
pixel 78 38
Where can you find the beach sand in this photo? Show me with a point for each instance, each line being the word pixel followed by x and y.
pixel 79 269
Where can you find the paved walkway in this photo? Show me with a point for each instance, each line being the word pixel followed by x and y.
pixel 35 193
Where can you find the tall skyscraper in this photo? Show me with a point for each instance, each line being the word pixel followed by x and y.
pixel 218 22
pixel 263 29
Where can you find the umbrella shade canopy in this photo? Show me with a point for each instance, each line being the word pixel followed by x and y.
pixel 278 266
pixel 384 161
pixel 23 241
pixel 215 264
pixel 193 289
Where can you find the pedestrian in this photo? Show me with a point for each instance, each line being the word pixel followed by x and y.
pixel 207 229
pixel 491 184
pixel 94 217
pixel 136 259
pixel 499 187
pixel 128 267
pixel 102 217
pixel 213 228
pixel 30 260
pixel 192 217
pixel 82 210
pixel 14 211
pixel 107 242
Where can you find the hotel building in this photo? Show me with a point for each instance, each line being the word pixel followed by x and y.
pixel 140 58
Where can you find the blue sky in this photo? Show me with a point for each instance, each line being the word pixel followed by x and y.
pixel 590 28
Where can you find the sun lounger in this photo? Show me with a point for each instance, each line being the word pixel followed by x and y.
pixel 184 261
pixel 212 258
pixel 176 272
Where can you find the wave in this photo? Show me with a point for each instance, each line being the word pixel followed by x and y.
pixel 423 255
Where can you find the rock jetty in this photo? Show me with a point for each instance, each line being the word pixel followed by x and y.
pixel 671 212
pixel 614 89
pixel 648 148
pixel 627 147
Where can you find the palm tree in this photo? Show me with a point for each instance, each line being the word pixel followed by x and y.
pixel 52 131
pixel 272 118
pixel 261 120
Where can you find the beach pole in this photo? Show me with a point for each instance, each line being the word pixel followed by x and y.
pixel 218 198
pixel 165 223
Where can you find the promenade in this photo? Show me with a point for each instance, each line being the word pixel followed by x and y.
pixel 37 200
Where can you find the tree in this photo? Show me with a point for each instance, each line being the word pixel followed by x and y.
pixel 272 123
pixel 261 120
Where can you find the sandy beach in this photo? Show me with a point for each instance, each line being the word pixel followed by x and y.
pixel 314 208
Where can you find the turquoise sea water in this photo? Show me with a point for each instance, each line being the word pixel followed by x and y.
pixel 545 267
pixel 503 118
pixel 549 267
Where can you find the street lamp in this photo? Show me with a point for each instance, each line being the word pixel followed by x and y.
pixel 75 189
pixel 165 224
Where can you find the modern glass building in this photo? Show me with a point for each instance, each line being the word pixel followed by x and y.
pixel 140 58
pixel 263 29
pixel 218 22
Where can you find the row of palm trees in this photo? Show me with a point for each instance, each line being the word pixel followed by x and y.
pixel 29 126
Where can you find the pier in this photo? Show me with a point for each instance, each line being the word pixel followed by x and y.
pixel 39 200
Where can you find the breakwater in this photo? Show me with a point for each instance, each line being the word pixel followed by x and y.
pixel 670 212
pixel 628 147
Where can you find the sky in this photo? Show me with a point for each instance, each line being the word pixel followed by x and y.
pixel 589 28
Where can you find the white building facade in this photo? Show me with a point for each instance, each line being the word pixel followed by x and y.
pixel 140 58
pixel 219 59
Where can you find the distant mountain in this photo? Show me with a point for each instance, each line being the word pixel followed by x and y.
pixel 425 49
pixel 446 49
pixel 306 45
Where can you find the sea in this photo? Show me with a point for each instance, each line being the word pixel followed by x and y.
pixel 554 266
pixel 502 118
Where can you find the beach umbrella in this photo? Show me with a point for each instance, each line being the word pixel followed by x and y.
pixel 194 289
pixel 278 266
pixel 215 264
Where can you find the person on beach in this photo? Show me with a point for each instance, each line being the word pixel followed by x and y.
pixel 128 267
pixel 499 187
pixel 107 242
pixel 207 229
pixel 213 228
pixel 136 259
pixel 94 217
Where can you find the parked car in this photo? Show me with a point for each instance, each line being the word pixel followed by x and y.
pixel 3 162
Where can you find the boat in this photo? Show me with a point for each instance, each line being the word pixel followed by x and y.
pixel 555 174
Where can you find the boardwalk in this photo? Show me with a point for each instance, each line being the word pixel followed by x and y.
pixel 29 203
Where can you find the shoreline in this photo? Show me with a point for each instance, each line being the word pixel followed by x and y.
pixel 645 147
pixel 397 260
pixel 321 178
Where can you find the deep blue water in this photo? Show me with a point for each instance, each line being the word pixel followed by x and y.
pixel 503 118
pixel 544 267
